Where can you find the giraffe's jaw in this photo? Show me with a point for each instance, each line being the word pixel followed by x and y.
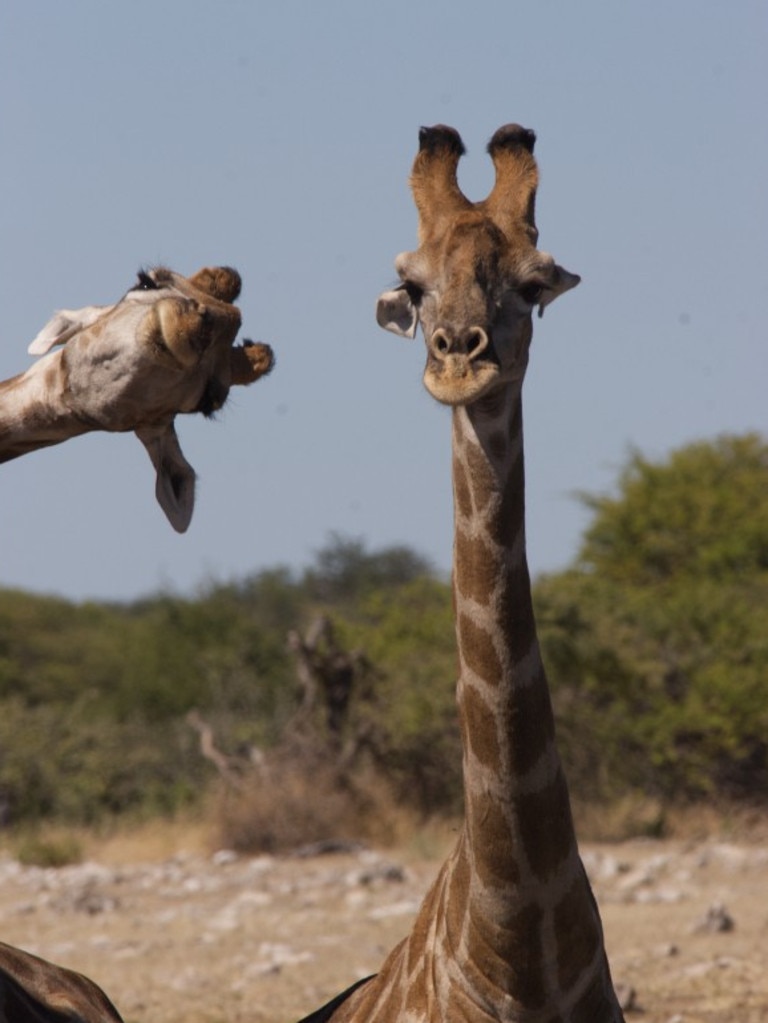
pixel 459 379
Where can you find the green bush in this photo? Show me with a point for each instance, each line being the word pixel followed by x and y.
pixel 658 639
pixel 655 641
pixel 36 850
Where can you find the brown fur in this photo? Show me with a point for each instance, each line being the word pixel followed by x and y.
pixel 35 991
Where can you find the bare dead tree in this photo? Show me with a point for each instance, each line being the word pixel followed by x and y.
pixel 329 677
pixel 231 768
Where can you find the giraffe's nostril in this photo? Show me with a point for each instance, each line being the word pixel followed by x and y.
pixel 441 343
pixel 477 342
pixel 468 343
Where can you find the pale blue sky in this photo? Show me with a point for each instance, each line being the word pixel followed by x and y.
pixel 277 137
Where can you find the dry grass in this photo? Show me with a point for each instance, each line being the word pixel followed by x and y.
pixel 150 841
pixel 121 842
pixel 299 803
pixel 267 941
pixel 637 816
pixel 307 806
pixel 48 847
pixel 630 816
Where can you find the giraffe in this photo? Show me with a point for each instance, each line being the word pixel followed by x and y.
pixel 165 348
pixel 32 990
pixel 510 929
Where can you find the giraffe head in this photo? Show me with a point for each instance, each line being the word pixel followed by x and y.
pixel 165 348
pixel 477 275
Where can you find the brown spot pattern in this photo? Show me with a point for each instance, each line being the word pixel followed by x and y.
pixel 492 841
pixel 416 990
pixel 462 493
pixel 577 931
pixel 457 896
pixel 476 569
pixel 546 828
pixel 477 650
pixel 598 1001
pixel 498 444
pixel 483 479
pixel 529 725
pixel 515 612
pixel 511 515
pixel 479 726
pixel 510 956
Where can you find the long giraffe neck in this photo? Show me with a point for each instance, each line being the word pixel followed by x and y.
pixel 531 925
pixel 509 930
pixel 518 814
pixel 33 413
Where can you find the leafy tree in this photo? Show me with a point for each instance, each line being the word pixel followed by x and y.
pixel 702 513
pixel 104 689
pixel 344 570
pixel 658 639
pixel 407 633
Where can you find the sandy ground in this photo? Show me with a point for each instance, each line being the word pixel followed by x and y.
pixel 208 939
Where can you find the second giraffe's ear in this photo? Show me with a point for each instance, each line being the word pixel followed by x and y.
pixel 64 324
pixel 175 486
pixel 396 312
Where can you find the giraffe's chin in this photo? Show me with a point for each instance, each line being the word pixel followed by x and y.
pixel 460 388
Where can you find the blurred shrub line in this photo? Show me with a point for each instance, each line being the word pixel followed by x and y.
pixel 655 640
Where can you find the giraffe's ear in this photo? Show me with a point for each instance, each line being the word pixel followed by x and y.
pixel 561 282
pixel 64 324
pixel 396 312
pixel 175 486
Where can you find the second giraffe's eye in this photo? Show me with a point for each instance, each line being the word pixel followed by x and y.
pixel 144 282
pixel 531 293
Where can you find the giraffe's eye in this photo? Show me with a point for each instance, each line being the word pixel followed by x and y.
pixel 413 291
pixel 144 282
pixel 531 293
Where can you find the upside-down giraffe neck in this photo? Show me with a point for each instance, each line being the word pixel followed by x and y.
pixel 32 412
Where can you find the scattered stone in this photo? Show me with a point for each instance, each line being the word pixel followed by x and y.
pixel 404 908
pixel 223 857
pixel 708 966
pixel 659 895
pixel 82 899
pixel 666 951
pixel 627 997
pixel 634 879
pixel 93 902
pixel 717 920
pixel 327 847
pixel 388 872
pixel 273 958
pixel 601 866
